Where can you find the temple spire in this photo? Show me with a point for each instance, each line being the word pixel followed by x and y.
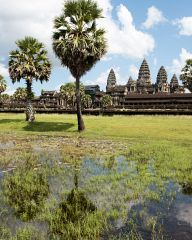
pixel 111 80
pixel 144 72
pixel 162 76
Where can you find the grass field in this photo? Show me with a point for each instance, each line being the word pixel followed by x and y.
pixel 157 152
pixel 172 128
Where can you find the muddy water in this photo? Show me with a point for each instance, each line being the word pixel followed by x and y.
pixel 173 212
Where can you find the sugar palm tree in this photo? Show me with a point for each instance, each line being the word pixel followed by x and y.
pixel 68 93
pixel 29 62
pixel 186 74
pixel 78 43
pixel 3 84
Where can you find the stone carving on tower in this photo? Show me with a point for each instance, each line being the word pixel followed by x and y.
pixel 162 85
pixel 111 80
pixel 174 84
pixel 144 79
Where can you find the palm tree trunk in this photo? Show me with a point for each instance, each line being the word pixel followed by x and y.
pixel 30 115
pixel 81 125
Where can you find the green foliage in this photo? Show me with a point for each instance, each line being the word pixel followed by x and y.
pixel 20 94
pixel 29 61
pixel 27 233
pixel 186 74
pixel 76 41
pixel 4 98
pixel 76 218
pixel 26 190
pixel 3 84
pixel 86 101
pixel 68 92
pixel 106 101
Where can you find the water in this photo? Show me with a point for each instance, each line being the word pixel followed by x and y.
pixel 106 184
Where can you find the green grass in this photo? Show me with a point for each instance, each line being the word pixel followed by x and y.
pixel 174 128
pixel 157 150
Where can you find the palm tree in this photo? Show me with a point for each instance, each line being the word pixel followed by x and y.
pixel 78 43
pixel 86 101
pixel 3 84
pixel 106 101
pixel 186 74
pixel 29 62
pixel 68 92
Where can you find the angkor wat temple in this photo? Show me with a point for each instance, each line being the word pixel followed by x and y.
pixel 141 95
pixel 143 86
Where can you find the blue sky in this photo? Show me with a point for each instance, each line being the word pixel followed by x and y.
pixel 160 31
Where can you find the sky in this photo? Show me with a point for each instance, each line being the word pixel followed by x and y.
pixel 160 31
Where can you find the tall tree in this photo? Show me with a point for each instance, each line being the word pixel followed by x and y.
pixel 186 74
pixel 78 43
pixel 3 84
pixel 29 62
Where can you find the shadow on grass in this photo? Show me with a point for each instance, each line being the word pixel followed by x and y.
pixel 5 121
pixel 40 126
pixel 48 126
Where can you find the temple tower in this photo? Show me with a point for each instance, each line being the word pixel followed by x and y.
pixel 162 84
pixel 144 73
pixel 174 84
pixel 111 80
pixel 144 79
pixel 131 85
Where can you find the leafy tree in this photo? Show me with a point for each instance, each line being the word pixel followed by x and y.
pixel 106 101
pixel 186 74
pixel 20 94
pixel 86 101
pixel 3 84
pixel 4 98
pixel 29 62
pixel 78 43
pixel 68 92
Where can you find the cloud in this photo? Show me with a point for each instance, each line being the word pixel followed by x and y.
pixel 155 61
pixel 134 71
pixel 9 91
pixel 35 18
pixel 185 26
pixel 122 36
pixel 101 80
pixel 3 70
pixel 178 64
pixel 27 18
pixel 154 17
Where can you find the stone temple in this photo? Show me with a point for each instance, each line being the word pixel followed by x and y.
pixel 143 85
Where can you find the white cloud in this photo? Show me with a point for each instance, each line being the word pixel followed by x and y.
pixel 123 37
pixel 154 17
pixel 155 61
pixel 101 80
pixel 3 70
pixel 21 18
pixel 35 18
pixel 185 26
pixel 134 71
pixel 106 58
pixel 9 91
pixel 179 63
